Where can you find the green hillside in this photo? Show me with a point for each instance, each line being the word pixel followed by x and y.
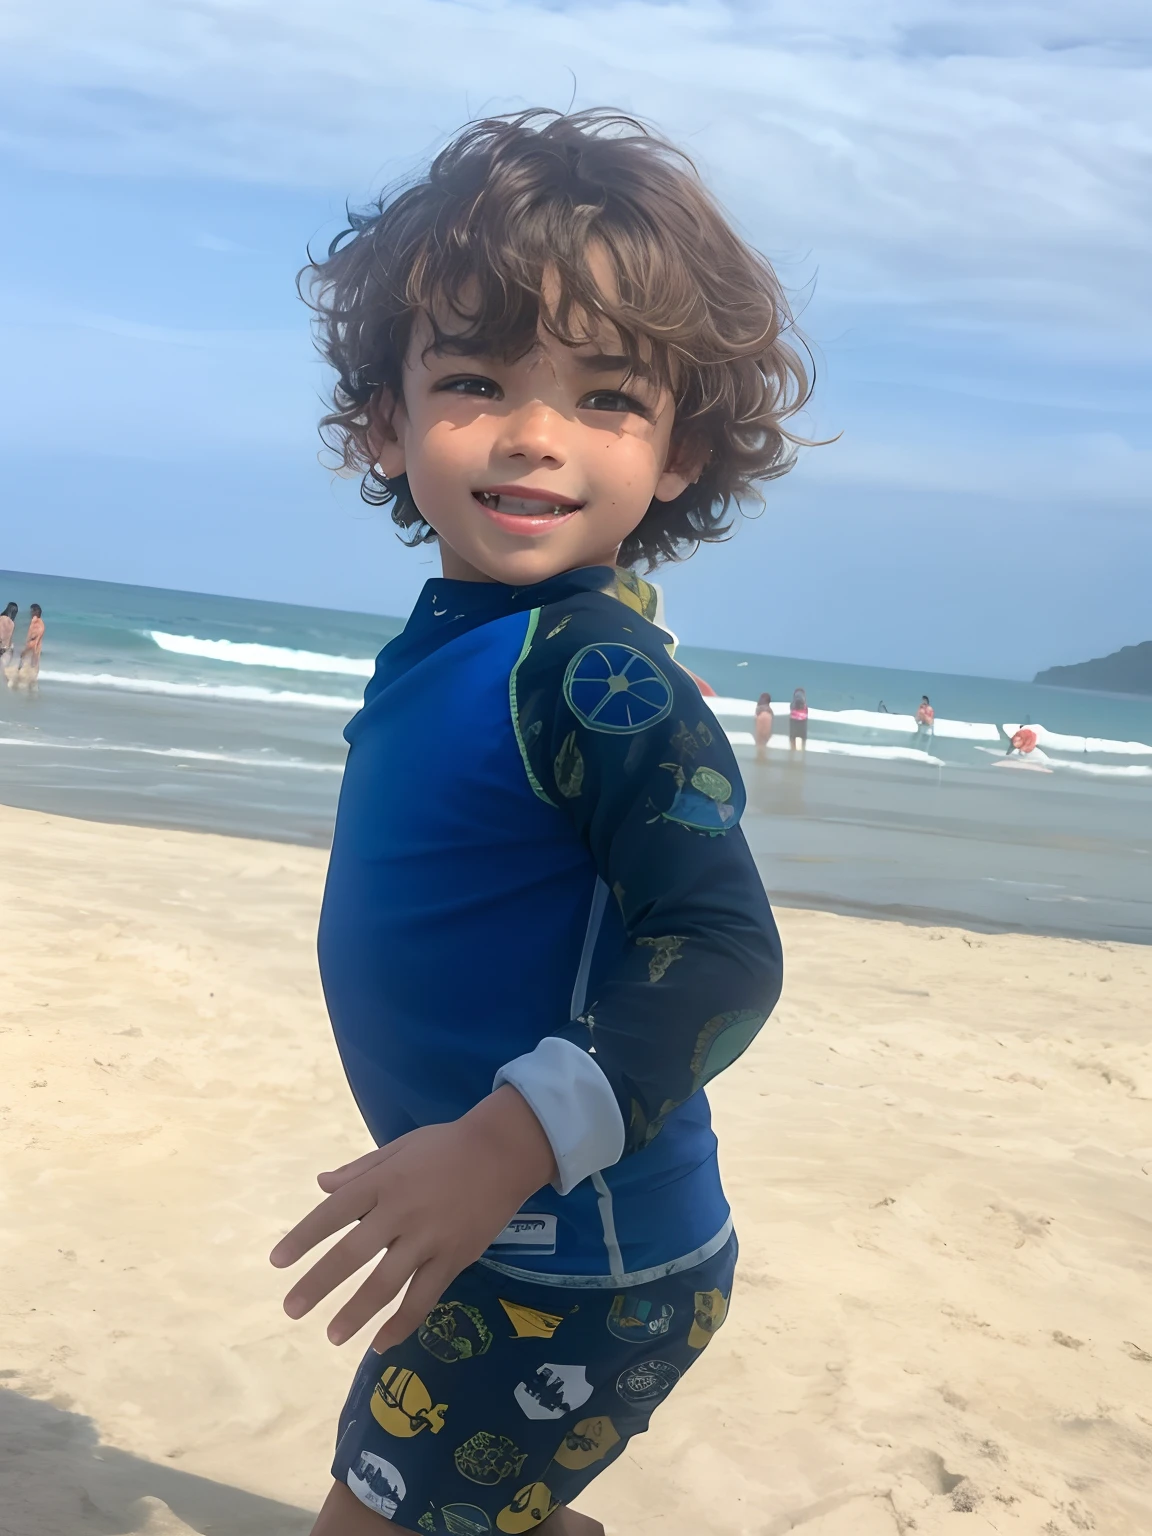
pixel 1128 670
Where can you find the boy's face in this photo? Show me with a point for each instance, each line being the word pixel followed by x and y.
pixel 529 468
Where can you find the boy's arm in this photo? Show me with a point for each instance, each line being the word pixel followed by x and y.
pixel 617 737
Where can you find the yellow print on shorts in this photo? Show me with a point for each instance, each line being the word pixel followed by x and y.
pixel 531 1505
pixel 530 1322
pixel 586 1442
pixel 403 1406
pixel 708 1318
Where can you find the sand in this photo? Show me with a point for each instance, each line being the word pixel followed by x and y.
pixel 939 1154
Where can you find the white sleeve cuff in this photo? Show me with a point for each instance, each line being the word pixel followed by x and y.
pixel 571 1098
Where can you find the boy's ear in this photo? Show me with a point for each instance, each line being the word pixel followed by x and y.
pixel 383 438
pixel 687 461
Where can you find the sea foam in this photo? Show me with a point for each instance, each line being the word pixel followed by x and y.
pixel 246 653
pixel 1039 758
pixel 1059 743
pixel 179 754
pixel 240 692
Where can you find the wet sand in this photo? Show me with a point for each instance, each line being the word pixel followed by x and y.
pixel 1007 852
pixel 939 1154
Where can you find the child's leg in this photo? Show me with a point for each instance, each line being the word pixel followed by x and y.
pixel 568 1522
pixel 344 1515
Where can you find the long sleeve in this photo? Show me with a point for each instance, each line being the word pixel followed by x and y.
pixel 617 737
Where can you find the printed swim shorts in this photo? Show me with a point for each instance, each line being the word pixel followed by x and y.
pixel 512 1395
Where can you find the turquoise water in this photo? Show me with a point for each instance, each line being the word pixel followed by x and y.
pixel 225 714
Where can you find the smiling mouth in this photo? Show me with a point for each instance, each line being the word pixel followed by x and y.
pixel 525 506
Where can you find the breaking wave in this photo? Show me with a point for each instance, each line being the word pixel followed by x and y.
pixel 180 754
pixel 246 653
pixel 240 692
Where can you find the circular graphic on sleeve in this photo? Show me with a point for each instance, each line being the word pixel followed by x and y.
pixel 617 690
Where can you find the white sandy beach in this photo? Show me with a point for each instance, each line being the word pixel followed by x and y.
pixel 939 1153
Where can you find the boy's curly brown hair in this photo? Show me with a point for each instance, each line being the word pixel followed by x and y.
pixel 515 199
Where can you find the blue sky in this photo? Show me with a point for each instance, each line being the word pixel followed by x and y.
pixel 957 195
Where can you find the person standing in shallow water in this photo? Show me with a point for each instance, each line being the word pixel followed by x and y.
pixel 798 721
pixel 763 726
pixel 925 722
pixel 7 640
pixel 28 675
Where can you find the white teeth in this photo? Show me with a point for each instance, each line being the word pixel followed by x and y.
pixel 521 507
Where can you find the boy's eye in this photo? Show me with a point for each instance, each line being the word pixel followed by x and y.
pixel 470 384
pixel 614 400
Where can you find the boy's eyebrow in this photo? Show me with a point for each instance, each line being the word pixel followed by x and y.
pixel 590 362
pixel 611 362
pixel 602 362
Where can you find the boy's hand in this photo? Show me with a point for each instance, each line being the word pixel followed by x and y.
pixel 434 1199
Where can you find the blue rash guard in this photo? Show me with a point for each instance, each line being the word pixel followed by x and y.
pixel 538 877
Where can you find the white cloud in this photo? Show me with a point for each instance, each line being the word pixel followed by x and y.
pixel 926 149
pixel 969 179
pixel 1100 468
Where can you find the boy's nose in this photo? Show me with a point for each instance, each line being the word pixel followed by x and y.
pixel 534 434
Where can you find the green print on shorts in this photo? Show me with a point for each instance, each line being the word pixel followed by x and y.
pixel 456 1520
pixel 488 1459
pixel 454 1331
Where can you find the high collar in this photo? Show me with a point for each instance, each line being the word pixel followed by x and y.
pixel 447 605
pixel 447 609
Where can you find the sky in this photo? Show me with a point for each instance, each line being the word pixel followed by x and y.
pixel 955 193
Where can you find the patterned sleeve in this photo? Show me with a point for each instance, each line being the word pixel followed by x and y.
pixel 617 737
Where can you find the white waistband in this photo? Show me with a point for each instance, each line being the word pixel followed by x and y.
pixel 617 1282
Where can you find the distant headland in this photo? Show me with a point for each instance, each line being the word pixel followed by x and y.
pixel 1128 670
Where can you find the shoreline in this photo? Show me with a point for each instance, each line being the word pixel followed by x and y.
pixel 797 826
pixel 937 1155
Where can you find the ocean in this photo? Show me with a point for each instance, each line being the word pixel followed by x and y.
pixel 222 714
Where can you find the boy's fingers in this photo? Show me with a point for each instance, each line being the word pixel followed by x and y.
pixel 336 1178
pixel 339 1210
pixel 344 1258
pixel 428 1285
pixel 382 1286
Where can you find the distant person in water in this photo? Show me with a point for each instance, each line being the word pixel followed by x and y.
pixel 1024 741
pixel 925 722
pixel 763 726
pixel 8 640
pixel 28 675
pixel 798 721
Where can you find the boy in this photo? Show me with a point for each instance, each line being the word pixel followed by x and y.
pixel 542 930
